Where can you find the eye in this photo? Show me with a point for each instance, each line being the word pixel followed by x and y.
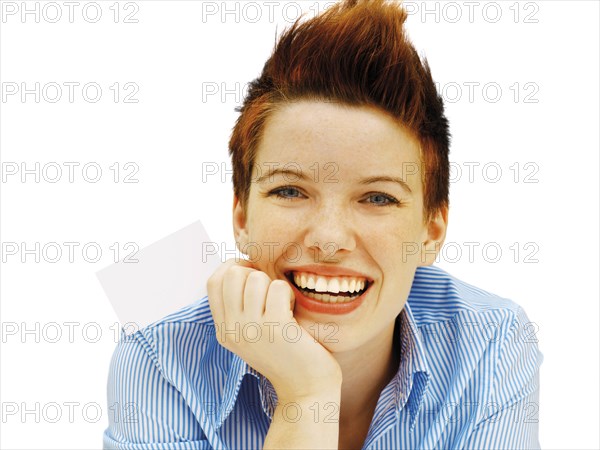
pixel 286 193
pixel 381 199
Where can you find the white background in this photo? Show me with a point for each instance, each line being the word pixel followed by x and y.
pixel 175 55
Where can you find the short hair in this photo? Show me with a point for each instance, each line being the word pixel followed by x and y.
pixel 357 53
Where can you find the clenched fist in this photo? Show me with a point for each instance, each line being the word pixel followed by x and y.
pixel 254 319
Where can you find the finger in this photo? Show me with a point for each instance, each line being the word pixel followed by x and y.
pixel 246 263
pixel 214 287
pixel 234 281
pixel 280 300
pixel 255 293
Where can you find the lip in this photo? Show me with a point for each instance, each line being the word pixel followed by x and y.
pixel 313 305
pixel 326 308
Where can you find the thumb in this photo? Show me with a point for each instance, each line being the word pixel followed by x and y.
pixel 245 263
pixel 292 298
pixel 280 299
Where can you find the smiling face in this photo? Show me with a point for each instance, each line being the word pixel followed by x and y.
pixel 336 204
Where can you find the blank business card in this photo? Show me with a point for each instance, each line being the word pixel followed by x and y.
pixel 168 275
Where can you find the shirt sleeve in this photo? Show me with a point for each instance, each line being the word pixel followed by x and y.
pixel 511 419
pixel 145 410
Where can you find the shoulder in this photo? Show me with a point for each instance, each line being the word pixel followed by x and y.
pixel 188 327
pixel 437 296
pixel 173 344
pixel 456 318
pixel 479 346
pixel 472 327
pixel 194 313
pixel 152 371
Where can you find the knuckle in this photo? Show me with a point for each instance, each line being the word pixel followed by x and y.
pixel 258 277
pixel 231 274
pixel 236 271
pixel 212 282
pixel 279 284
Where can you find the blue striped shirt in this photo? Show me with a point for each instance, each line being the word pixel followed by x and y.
pixel 468 378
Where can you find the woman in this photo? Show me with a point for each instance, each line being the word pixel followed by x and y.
pixel 350 338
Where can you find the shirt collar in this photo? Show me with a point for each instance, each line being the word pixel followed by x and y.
pixel 408 386
pixel 413 373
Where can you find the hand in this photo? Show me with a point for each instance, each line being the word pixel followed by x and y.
pixel 254 318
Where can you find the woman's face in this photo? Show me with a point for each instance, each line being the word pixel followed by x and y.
pixel 336 197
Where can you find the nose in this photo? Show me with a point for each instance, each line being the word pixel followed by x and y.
pixel 330 231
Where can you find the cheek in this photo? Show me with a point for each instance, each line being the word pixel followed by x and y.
pixel 398 256
pixel 394 234
pixel 395 246
pixel 272 238
pixel 269 228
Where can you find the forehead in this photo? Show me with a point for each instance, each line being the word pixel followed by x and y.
pixel 360 140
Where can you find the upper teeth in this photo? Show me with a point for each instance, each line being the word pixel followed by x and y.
pixel 329 284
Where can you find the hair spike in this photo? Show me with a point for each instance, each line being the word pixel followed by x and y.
pixel 356 52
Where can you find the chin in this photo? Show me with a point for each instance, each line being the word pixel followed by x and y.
pixel 329 334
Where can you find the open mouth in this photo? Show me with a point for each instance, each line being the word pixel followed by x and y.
pixel 328 289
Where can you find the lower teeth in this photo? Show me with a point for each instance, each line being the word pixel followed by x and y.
pixel 329 298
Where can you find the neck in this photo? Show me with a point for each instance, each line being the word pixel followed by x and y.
pixel 366 372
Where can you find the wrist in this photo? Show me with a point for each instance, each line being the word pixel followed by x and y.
pixel 325 392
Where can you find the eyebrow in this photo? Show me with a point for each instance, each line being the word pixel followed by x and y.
pixel 369 180
pixel 387 179
pixel 294 174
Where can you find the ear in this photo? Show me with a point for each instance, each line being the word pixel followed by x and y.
pixel 436 234
pixel 239 225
